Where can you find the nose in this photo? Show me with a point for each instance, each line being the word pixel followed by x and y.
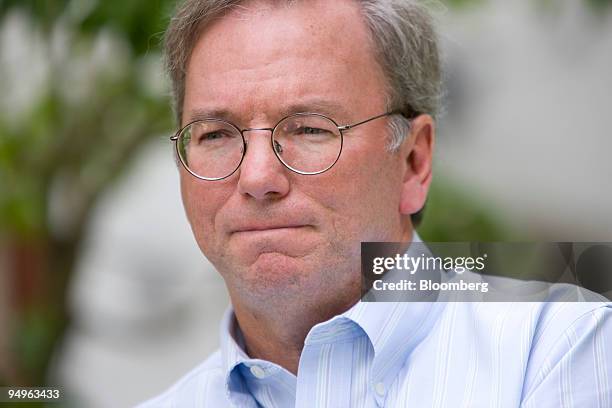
pixel 261 174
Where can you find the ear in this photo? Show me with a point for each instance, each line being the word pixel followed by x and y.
pixel 417 150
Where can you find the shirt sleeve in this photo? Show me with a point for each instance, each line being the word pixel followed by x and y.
pixel 577 369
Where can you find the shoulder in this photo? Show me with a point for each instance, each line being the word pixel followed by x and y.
pixel 556 318
pixel 560 325
pixel 547 310
pixel 571 359
pixel 561 350
pixel 545 322
pixel 202 386
pixel 540 333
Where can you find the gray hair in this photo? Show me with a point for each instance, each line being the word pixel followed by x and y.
pixel 404 39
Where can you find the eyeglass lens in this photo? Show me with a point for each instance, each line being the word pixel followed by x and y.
pixel 305 143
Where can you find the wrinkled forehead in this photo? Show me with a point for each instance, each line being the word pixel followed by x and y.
pixel 316 48
pixel 298 24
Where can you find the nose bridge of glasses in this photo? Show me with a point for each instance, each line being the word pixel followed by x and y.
pixel 256 129
pixel 277 146
pixel 244 131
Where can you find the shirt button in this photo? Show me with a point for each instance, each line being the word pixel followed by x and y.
pixel 258 372
pixel 380 389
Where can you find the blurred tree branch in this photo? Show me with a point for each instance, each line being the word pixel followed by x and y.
pixel 92 115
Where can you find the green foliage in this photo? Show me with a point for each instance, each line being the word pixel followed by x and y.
pixel 599 5
pixel 452 214
pixel 141 22
pixel 80 134
pixel 463 3
pixel 100 102
pixel 32 342
pixel 83 146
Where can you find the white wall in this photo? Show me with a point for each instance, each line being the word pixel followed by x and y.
pixel 146 302
pixel 530 114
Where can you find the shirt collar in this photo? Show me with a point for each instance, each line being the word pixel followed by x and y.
pixel 233 355
pixel 394 329
pixel 232 344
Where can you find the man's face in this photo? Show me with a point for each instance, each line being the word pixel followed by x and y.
pixel 266 229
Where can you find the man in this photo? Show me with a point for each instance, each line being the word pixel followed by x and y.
pixel 307 127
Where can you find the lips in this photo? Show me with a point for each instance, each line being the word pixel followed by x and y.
pixel 289 234
pixel 267 219
pixel 267 227
pixel 267 223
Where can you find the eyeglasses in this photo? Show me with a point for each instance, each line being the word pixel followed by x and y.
pixel 306 143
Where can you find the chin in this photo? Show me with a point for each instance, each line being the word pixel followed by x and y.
pixel 274 274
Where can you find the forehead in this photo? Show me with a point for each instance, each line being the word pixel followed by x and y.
pixel 262 56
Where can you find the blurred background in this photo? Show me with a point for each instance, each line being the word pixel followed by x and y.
pixel 103 290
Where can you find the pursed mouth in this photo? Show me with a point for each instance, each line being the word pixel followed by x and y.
pixel 269 228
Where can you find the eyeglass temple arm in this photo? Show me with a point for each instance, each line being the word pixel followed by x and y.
pixel 341 128
pixel 347 127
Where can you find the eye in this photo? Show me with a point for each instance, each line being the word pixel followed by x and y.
pixel 313 131
pixel 214 136
pixel 211 136
pixel 308 130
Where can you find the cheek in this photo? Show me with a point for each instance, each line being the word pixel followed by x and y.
pixel 365 197
pixel 202 202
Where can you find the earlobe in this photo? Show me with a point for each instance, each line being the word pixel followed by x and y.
pixel 418 170
pixel 414 195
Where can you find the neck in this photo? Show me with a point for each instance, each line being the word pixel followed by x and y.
pixel 277 334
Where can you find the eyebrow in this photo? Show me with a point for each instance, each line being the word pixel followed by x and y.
pixel 200 114
pixel 326 107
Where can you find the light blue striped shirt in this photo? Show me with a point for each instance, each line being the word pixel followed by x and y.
pixel 421 355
